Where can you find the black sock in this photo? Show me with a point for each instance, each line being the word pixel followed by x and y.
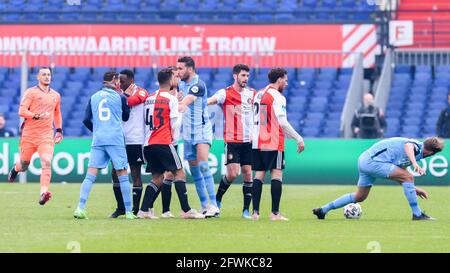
pixel 180 187
pixel 275 189
pixel 166 195
pixel 223 187
pixel 118 196
pixel 151 192
pixel 247 192
pixel 256 193
pixel 137 193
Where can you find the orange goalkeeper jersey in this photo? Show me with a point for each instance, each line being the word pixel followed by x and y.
pixel 38 101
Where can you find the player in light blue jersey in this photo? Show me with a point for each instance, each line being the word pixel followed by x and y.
pixel 389 158
pixel 197 133
pixel 104 115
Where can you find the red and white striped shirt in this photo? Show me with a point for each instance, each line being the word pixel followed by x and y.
pixel 269 107
pixel 238 116
pixel 160 108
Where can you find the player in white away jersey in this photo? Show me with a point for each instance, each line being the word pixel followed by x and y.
pixel 134 138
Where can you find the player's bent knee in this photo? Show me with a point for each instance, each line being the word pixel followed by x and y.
pixel 204 167
pixel 409 177
pixel 122 172
pixel 178 175
pixel 360 198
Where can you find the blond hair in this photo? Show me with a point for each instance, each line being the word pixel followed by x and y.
pixel 434 144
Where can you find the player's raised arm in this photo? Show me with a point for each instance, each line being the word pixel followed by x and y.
pixel 212 101
pixel 58 122
pixel 409 150
pixel 138 98
pixel 197 90
pixel 87 121
pixel 218 98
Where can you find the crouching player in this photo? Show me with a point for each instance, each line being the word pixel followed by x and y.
pixel 389 158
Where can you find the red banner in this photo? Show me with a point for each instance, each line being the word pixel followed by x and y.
pixel 158 45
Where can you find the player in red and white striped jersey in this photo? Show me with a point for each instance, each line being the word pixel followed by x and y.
pixel 237 101
pixel 166 189
pixel 133 130
pixel 162 120
pixel 270 125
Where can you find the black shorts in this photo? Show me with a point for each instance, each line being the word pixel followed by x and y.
pixel 134 154
pixel 161 158
pixel 267 160
pixel 240 153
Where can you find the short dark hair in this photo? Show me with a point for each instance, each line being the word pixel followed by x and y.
pixel 276 73
pixel 172 67
pixel 109 76
pixel 188 61
pixel 45 67
pixel 128 73
pixel 239 67
pixel 164 76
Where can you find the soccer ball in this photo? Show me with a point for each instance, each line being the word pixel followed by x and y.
pixel 352 211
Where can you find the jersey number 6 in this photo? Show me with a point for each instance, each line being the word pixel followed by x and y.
pixel 104 113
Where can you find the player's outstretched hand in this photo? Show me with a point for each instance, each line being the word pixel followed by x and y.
pixel 58 137
pixel 419 170
pixel 421 193
pixel 300 147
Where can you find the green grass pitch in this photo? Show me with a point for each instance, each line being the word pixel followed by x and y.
pixel 385 226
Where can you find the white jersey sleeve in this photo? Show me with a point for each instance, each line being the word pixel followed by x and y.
pixel 220 95
pixel 279 105
pixel 173 105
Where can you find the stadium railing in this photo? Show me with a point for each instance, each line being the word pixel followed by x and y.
pixel 156 59
pixel 383 88
pixel 422 56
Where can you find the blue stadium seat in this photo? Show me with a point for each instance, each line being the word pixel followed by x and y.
pixel 310 131
pixel 309 4
pixel 284 17
pixel 243 17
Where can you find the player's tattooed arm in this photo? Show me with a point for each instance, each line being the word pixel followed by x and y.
pixel 87 121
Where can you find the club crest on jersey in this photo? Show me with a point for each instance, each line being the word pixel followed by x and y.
pixel 230 156
pixel 142 93
pixel 194 89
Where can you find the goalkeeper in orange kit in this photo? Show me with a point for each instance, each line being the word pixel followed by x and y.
pixel 40 107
